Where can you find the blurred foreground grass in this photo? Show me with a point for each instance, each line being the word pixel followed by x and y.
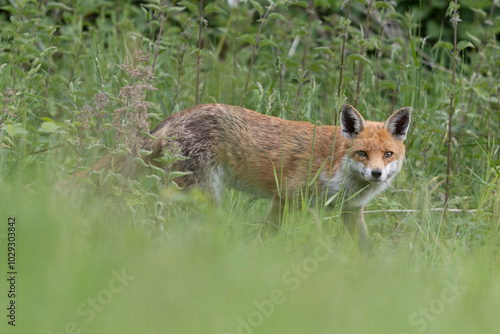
pixel 83 269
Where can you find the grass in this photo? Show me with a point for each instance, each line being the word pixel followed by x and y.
pixel 211 270
pixel 113 255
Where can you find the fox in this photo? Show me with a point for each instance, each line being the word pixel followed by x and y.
pixel 230 146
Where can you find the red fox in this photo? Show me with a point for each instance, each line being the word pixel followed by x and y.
pixel 229 146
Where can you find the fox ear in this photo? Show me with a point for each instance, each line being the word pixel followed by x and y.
pixel 398 123
pixel 351 122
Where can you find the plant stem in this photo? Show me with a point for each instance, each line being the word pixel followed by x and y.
pixel 342 61
pixel 235 64
pixel 310 9
pixel 362 51
pixel 157 45
pixel 47 78
pixel 452 98
pixel 394 97
pixel 302 75
pixel 304 55
pixel 179 73
pixel 158 41
pixel 198 58
pixel 254 51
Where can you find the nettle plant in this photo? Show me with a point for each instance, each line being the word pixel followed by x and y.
pixel 127 124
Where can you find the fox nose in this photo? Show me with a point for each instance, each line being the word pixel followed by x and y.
pixel 376 173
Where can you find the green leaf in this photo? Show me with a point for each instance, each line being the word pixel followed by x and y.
pixel 464 44
pixel 49 51
pixel 383 4
pixel 387 85
pixel 214 9
pixel 324 49
pixel 157 169
pixel 304 4
pixel 357 56
pixel 480 12
pixel 249 38
pixel 147 13
pixel 176 174
pixel 446 45
pixel 58 5
pixel 451 8
pixel 145 152
pixel 11 130
pixel 257 6
pixel 48 127
pixel 201 52
pixel 332 198
pixel 188 4
pixel 20 130
pixel 149 135
pixel 140 161
pixel 175 9
pixel 267 42
pixel 473 38
pixel 152 6
pixel 153 177
pixel 343 23
pixel 276 16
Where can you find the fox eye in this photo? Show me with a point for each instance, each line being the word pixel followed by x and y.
pixel 362 154
pixel 388 154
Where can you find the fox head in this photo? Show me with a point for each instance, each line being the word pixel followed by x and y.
pixel 376 149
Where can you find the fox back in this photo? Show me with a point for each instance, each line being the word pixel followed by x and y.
pixel 230 146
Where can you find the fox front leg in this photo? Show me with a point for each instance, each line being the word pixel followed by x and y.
pixel 353 219
pixel 276 212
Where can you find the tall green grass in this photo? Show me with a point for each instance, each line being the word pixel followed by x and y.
pixel 117 255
